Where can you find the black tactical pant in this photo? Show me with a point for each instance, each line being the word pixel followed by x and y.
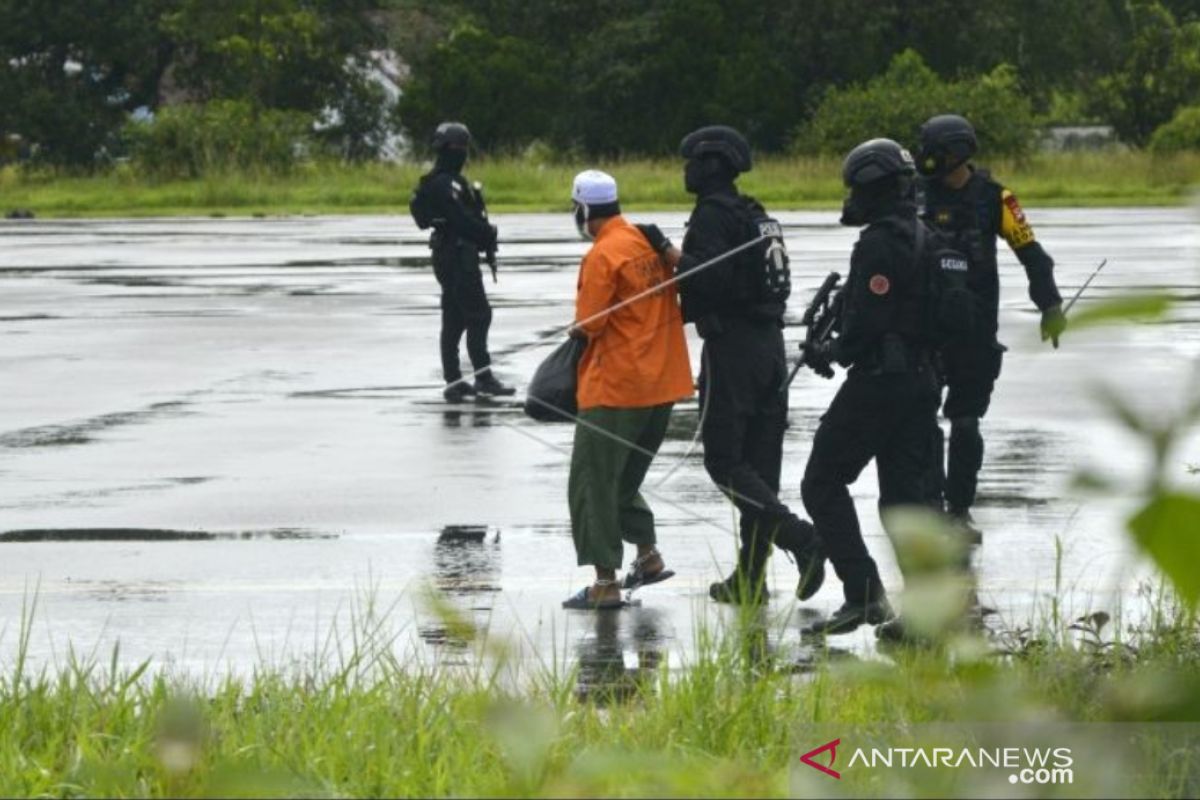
pixel 465 306
pixel 970 373
pixel 743 369
pixel 884 417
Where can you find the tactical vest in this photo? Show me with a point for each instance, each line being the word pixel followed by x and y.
pixel 764 277
pixel 970 218
pixel 936 305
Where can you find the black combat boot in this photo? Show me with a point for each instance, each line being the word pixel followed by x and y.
pixel 487 385
pixel 872 609
pixel 747 583
pixel 966 525
pixel 799 538
pixel 458 391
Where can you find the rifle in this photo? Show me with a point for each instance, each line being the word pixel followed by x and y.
pixel 490 253
pixel 820 320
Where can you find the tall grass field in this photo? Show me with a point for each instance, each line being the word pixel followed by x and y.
pixel 512 184
pixel 735 720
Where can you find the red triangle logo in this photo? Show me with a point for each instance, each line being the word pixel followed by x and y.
pixel 807 758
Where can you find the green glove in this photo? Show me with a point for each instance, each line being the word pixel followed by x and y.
pixel 1054 322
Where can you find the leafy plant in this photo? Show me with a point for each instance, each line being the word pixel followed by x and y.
pixel 896 104
pixel 193 140
pixel 1181 133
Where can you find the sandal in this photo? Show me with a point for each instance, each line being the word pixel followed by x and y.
pixel 637 576
pixel 581 602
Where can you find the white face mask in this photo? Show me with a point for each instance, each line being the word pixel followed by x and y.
pixel 581 221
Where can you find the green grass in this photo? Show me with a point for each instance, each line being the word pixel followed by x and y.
pixel 1086 179
pixel 356 722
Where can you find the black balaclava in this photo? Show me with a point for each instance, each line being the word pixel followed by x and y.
pixel 708 173
pixel 450 159
pixel 873 201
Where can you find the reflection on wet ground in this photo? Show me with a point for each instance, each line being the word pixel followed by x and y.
pixel 153 535
pixel 466 567
pixel 235 428
pixel 620 656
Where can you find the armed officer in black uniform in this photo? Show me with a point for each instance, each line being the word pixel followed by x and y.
pixel 972 208
pixel 446 201
pixel 737 306
pixel 888 402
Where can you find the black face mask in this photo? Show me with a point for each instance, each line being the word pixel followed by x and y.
pixel 853 213
pixel 865 204
pixel 451 159
pixel 704 175
pixel 693 175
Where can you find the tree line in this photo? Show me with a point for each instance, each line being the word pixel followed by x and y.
pixel 265 81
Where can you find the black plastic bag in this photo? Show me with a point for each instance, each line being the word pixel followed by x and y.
pixel 551 394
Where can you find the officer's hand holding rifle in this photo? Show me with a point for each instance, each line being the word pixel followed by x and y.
pixel 820 319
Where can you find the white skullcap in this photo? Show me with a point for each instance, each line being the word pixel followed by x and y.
pixel 593 188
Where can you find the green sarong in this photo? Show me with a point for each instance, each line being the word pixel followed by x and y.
pixel 606 478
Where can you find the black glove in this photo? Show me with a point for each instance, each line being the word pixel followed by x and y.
pixel 819 359
pixel 1054 322
pixel 655 237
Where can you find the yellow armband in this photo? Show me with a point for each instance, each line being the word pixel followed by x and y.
pixel 1013 226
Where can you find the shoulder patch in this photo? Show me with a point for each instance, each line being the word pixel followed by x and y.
pixel 879 285
pixel 1014 207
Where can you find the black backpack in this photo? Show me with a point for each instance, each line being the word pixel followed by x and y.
pixel 766 269
pixel 951 301
pixel 419 205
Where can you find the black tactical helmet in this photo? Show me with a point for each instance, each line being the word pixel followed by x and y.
pixel 876 159
pixel 947 140
pixel 451 134
pixel 722 140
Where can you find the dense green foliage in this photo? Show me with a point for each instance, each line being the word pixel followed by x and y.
pixel 635 76
pixel 1159 73
pixel 74 69
pixel 192 140
pixel 896 103
pixel 1181 133
pixel 583 77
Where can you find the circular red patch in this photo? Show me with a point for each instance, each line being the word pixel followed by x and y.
pixel 879 284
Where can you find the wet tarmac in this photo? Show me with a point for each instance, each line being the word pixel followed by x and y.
pixel 218 438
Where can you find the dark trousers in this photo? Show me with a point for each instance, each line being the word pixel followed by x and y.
pixel 465 306
pixel 881 417
pixel 743 369
pixel 970 372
